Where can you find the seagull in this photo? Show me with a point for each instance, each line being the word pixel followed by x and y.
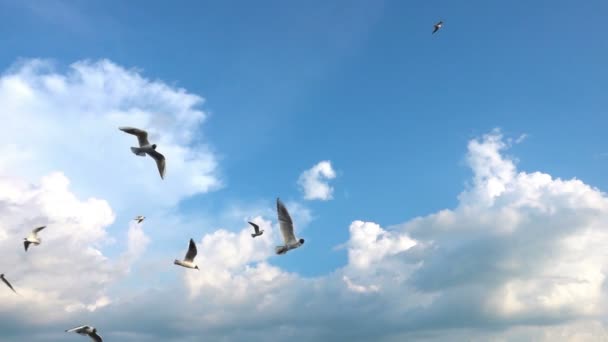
pixel 87 330
pixel 258 232
pixel 189 259
pixel 33 238
pixel 139 218
pixel 146 148
pixel 7 283
pixel 437 26
pixel 286 230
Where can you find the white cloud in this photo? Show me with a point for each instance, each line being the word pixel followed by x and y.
pixel 67 273
pixel 370 243
pixel 313 181
pixel 359 288
pixel 521 252
pixel 68 121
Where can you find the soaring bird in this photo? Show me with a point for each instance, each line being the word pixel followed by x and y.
pixel 33 238
pixel 189 259
pixel 286 230
pixel 139 218
pixel 146 148
pixel 437 26
pixel 7 283
pixel 87 330
pixel 258 232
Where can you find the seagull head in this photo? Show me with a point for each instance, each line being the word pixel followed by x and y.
pixel 301 241
pixel 154 146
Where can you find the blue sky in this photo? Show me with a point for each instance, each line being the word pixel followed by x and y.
pixel 286 85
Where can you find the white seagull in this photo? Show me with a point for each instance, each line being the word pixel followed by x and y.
pixel 7 283
pixel 189 258
pixel 437 26
pixel 146 148
pixel 286 230
pixel 33 238
pixel 258 232
pixel 139 218
pixel 87 330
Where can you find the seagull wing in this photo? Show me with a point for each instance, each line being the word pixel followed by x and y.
pixel 160 162
pixel 255 227
pixel 36 230
pixel 191 254
pixel 285 223
pixel 26 244
pixel 95 337
pixel 142 136
pixel 79 329
pixel 436 29
pixel 7 283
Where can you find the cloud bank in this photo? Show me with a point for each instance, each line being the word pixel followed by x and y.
pixel 521 257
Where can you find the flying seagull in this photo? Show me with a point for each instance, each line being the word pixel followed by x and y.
pixel 87 330
pixel 286 230
pixel 258 232
pixel 7 283
pixel 437 26
pixel 146 148
pixel 189 259
pixel 33 238
pixel 139 218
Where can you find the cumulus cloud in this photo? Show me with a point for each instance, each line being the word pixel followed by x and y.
pixel 313 181
pixel 522 252
pixel 67 120
pixel 67 273
pixel 357 287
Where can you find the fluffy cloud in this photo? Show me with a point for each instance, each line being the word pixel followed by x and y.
pixel 313 181
pixel 67 273
pixel 522 252
pixel 68 120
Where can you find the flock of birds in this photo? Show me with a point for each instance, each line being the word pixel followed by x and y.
pixel 145 148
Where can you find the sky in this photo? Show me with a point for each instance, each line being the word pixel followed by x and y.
pixel 449 186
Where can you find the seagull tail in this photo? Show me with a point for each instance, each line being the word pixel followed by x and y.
pixel 280 249
pixel 138 151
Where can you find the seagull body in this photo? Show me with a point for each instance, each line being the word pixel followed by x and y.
pixel 286 225
pixel 6 282
pixel 188 261
pixel 437 26
pixel 146 148
pixel 139 218
pixel 33 238
pixel 258 232
pixel 86 330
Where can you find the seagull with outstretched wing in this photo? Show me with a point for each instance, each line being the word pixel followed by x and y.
pixel 286 225
pixel 86 330
pixel 437 26
pixel 146 148
pixel 188 261
pixel 33 238
pixel 257 230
